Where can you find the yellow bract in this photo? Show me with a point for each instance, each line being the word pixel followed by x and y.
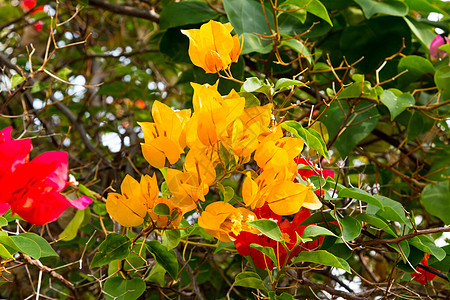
pixel 130 207
pixel 221 219
pixel 166 137
pixel 212 47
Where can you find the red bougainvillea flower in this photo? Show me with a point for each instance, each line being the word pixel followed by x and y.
pixel 29 4
pixel 13 153
pixel 313 170
pixel 288 230
pixel 423 276
pixel 33 189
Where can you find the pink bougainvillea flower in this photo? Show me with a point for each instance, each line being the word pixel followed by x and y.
pixel 13 153
pixel 436 43
pixel 289 232
pixel 33 189
pixel 423 276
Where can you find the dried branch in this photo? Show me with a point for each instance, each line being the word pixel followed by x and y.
pixel 126 10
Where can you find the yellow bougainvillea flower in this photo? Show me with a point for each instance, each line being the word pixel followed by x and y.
pixel 200 163
pixel 185 188
pixel 149 189
pixel 130 207
pixel 243 135
pixel 277 154
pixel 213 114
pixel 311 200
pixel 212 47
pixel 166 137
pixel 222 220
pixel 287 198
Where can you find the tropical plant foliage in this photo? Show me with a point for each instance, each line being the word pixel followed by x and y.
pixel 224 149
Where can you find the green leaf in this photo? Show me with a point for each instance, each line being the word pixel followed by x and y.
pixel 352 91
pixel 298 47
pixel 70 232
pixel 16 79
pixel 161 209
pixel 254 84
pixel 186 12
pixel 165 257
pixel 251 280
pixel 283 296
pixel 376 222
pixel 266 251
pixel 359 194
pixel 387 7
pixel 392 210
pixel 27 246
pixel 248 19
pixel 227 193
pixel 85 191
pixel 4 252
pixel 267 227
pixel 424 32
pixel 311 137
pixel 416 67
pixel 114 247
pixel 314 7
pixel 315 230
pixel 157 274
pixel 118 288
pixel 3 222
pixel 46 249
pixel 171 238
pixel 435 200
pixel 426 244
pixel 351 228
pixel 323 257
pixel 442 79
pixel 445 47
pixel 250 99
pixel 402 248
pixel 396 105
pixel 223 245
pixel 285 83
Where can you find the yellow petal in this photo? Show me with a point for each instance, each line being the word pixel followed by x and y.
pixel 249 191
pixel 116 205
pixel 153 156
pixel 312 201
pixel 287 198
pixel 149 189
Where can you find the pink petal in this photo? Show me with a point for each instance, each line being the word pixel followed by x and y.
pixel 61 169
pixel 81 203
pixel 3 208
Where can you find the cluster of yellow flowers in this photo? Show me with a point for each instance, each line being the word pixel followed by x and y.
pixel 218 123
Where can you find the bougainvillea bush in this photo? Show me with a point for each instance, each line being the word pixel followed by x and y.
pixel 234 149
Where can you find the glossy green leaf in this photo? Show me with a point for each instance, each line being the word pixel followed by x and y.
pixel 171 238
pixel 224 245
pixel 4 252
pixel 402 248
pixel 442 79
pixel 3 222
pixel 424 32
pixel 251 280
pixel 298 47
pixel 118 288
pixel 416 67
pixel 186 12
pixel 376 222
pixel 392 210
pixel 157 274
pixel 323 257
pixel 254 84
pixel 266 251
pixel 351 228
pixel 435 199
pixel 359 194
pixel 396 105
pixel 311 137
pixel 387 7
pixel 161 209
pixel 285 83
pixel 16 79
pixel 250 99
pixel 267 227
pixel 70 232
pixel 27 246
pixel 165 257
pixel 248 19
pixel 352 91
pixel 314 7
pixel 315 230
pixel 427 245
pixel 114 247
pixel 46 249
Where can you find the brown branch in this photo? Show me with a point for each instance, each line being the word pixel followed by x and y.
pixel 52 273
pixel 126 10
pixel 188 269
pixel 406 236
